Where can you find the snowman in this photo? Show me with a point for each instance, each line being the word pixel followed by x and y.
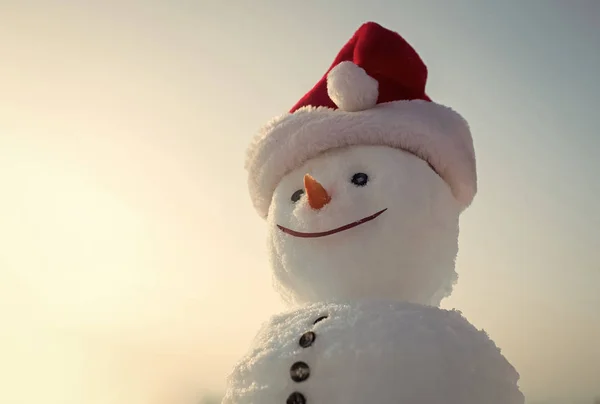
pixel 362 184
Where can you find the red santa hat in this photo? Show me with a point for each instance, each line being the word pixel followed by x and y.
pixel 373 94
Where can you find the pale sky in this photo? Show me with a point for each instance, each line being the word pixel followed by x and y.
pixel 129 249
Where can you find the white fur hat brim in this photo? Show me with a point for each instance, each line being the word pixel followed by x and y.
pixel 431 131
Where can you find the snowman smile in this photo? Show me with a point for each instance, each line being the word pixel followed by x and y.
pixel 332 231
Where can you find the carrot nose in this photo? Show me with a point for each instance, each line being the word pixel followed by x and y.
pixel 316 194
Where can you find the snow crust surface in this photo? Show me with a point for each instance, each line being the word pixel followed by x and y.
pixel 374 351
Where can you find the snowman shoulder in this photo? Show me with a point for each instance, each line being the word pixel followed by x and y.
pixel 453 336
pixel 277 340
pixel 283 326
pixel 460 342
pixel 374 322
pixel 404 344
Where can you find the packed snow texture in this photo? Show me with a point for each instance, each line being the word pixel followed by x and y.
pixel 406 254
pixel 377 352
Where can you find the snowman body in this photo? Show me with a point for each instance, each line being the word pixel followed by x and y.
pixel 372 351
pixel 362 185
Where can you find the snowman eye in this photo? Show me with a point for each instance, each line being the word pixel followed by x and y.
pixel 360 179
pixel 297 195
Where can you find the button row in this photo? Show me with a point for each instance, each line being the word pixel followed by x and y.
pixel 300 371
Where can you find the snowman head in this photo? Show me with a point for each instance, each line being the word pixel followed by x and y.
pixel 362 182
pixel 363 221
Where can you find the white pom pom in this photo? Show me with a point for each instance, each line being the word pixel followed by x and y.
pixel 351 88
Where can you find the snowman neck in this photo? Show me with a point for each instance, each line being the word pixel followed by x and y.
pixel 423 279
pixel 424 282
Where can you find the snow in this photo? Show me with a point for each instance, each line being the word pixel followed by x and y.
pixel 376 286
pixel 374 351
pixel 406 254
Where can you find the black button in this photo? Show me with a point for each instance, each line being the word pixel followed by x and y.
pixel 320 319
pixel 307 339
pixel 296 398
pixel 299 372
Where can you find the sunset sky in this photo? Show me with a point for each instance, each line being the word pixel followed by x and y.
pixel 132 263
